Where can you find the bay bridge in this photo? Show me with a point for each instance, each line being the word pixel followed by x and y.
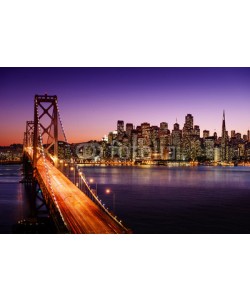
pixel 73 206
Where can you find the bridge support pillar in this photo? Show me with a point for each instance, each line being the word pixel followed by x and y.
pixel 45 107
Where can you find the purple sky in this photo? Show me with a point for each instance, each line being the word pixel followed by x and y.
pixel 91 100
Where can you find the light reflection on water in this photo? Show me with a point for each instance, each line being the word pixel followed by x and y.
pixel 13 198
pixel 154 199
pixel 177 200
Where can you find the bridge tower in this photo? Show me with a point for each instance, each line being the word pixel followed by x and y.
pixel 27 142
pixel 45 125
pixel 29 134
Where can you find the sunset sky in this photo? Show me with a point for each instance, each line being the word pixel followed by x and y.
pixel 91 100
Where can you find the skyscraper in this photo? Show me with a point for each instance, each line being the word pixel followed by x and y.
pixel 176 141
pixel 205 134
pixel 129 128
pixel 189 123
pixel 120 127
pixel 223 138
pixel 187 137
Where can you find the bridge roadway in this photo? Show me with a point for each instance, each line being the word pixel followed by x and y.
pixel 80 213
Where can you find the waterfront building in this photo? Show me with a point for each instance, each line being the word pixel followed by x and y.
pixel 155 141
pixel 209 147
pixel 134 150
pixel 145 129
pixel 247 151
pixel 176 141
pixel 64 150
pixel 147 142
pixel 190 144
pixel 140 143
pixel 217 154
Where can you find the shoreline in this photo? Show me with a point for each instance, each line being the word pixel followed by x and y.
pixel 10 162
pixel 166 164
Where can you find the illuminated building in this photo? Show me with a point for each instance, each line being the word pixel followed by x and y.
pixel 157 143
pixel 120 129
pixel 188 125
pixel 129 128
pixel 196 130
pixel 223 139
pixel 145 127
pixel 63 150
pixel 176 140
pixel 205 134
pixel 134 142
pixel 154 137
pixel 217 154
pixel 190 144
pixel 209 148
pixel 164 140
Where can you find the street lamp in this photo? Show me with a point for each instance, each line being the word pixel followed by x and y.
pixel 80 182
pixel 91 180
pixel 74 169
pixel 108 191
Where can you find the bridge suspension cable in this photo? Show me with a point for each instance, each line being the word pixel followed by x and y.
pixel 70 207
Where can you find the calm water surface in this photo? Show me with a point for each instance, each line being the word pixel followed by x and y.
pixel 154 199
pixel 177 200
pixel 13 198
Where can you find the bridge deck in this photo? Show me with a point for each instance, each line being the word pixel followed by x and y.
pixel 80 214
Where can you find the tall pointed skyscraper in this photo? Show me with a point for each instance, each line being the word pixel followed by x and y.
pixel 223 138
pixel 223 125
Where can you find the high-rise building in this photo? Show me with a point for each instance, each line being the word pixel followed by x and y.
pixel 164 136
pixel 120 130
pixel 189 121
pixel 145 129
pixel 134 141
pixel 154 130
pixel 209 148
pixel 176 141
pixel 205 134
pixel 238 136
pixel 187 137
pixel 129 128
pixel 153 142
pixel 223 138
pixel 120 127
pixel 176 126
pixel 164 127
pixel 217 154
pixel 196 130
pixel 215 136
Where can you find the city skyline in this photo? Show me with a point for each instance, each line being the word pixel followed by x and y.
pixel 91 100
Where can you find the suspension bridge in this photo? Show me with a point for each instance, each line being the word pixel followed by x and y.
pixel 73 206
